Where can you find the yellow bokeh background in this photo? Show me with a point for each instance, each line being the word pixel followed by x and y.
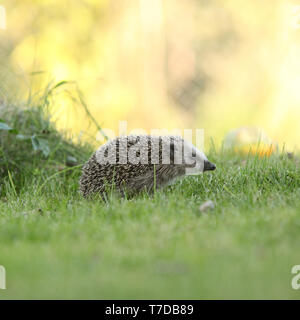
pixel 216 65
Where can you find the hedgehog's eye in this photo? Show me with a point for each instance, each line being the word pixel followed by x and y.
pixel 193 153
pixel 106 152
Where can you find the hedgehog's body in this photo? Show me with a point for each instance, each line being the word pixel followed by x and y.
pixel 131 164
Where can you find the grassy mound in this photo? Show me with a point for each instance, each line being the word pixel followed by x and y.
pixel 31 146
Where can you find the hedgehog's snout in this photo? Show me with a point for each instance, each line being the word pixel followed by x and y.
pixel 209 166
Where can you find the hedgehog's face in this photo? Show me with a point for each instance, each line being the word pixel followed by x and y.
pixel 194 160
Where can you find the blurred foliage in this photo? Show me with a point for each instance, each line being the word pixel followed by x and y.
pixel 206 64
pixel 250 140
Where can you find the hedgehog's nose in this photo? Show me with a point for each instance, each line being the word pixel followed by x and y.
pixel 208 166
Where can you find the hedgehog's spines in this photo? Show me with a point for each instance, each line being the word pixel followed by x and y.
pixel 129 178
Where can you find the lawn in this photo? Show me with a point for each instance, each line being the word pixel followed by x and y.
pixel 55 244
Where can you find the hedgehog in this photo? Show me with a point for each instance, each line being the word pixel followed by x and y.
pixel 135 163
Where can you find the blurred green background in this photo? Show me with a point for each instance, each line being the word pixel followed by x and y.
pixel 206 64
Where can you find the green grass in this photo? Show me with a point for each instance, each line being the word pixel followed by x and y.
pixel 54 244
pixel 58 245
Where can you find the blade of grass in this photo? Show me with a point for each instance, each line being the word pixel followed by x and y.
pixel 55 174
pixel 12 183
